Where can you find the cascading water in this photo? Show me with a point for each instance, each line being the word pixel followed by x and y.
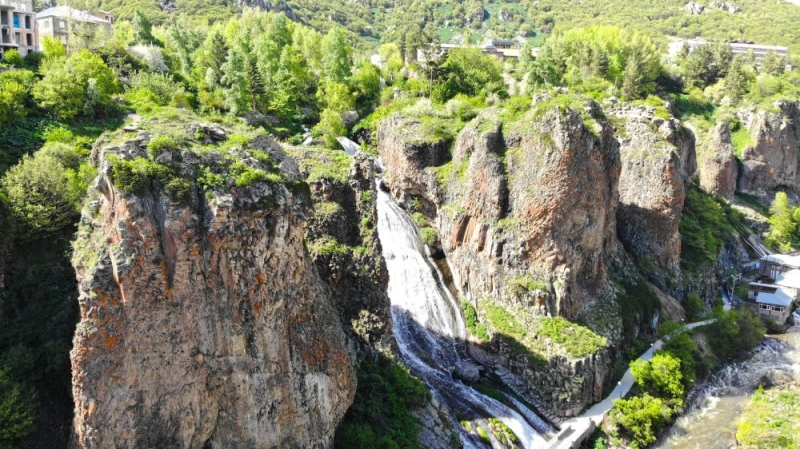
pixel 430 332
pixel 711 419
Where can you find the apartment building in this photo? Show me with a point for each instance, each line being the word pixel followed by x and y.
pixel 738 48
pixel 17 26
pixel 61 21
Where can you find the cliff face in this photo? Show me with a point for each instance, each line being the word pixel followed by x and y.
pixel 718 168
pixel 538 202
pixel 658 161
pixel 526 215
pixel 203 322
pixel 772 162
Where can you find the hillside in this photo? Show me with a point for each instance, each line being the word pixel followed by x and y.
pixel 757 21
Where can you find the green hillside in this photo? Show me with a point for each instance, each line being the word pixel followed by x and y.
pixel 765 22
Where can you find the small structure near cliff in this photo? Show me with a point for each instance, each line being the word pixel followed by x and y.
pixel 203 321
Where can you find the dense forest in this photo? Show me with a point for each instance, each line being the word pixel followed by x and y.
pixel 306 65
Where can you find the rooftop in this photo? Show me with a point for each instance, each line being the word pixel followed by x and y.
pixel 781 297
pixel 783 259
pixel 65 12
pixel 789 279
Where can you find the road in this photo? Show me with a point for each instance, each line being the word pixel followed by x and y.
pixel 575 430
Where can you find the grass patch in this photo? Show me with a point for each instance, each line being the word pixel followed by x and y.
pixel 327 246
pixel 741 138
pixel 520 286
pixel 429 236
pixel 770 419
pixel 476 328
pixel 321 163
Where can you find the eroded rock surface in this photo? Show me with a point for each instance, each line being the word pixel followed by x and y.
pixel 658 161
pixel 203 322
pixel 772 162
pixel 718 168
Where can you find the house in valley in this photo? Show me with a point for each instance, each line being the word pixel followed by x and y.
pixel 17 26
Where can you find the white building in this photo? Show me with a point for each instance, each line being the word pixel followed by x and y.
pixel 738 48
pixel 775 264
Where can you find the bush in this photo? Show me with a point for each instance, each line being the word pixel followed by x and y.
pixel 381 414
pixel 661 376
pixel 160 144
pixel 695 308
pixel 81 84
pixel 734 333
pixel 476 328
pixel 642 417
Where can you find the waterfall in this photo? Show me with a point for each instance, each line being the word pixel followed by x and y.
pixel 430 331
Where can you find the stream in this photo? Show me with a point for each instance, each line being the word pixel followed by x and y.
pixel 430 334
pixel 711 419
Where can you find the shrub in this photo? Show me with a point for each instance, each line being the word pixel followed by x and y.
pixel 381 414
pixel 642 417
pixel 661 376
pixel 429 236
pixel 695 308
pixel 159 144
pixel 476 328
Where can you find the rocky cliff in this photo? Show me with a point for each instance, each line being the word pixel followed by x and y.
pixel 772 161
pixel 718 168
pixel 525 212
pixel 658 161
pixel 203 321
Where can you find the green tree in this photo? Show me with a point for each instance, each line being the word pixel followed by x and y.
pixel 783 226
pixel 12 101
pixel 143 30
pixel 79 84
pixel 53 48
pixel 641 417
pixel 367 84
pixel 42 196
pixel 13 58
pixel 337 54
pixel 330 126
pixel 737 81
pixel 16 412
pixel 633 78
pixel 661 376
pixel 772 64
pixel 471 72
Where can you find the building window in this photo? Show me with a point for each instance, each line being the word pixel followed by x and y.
pixel 16 20
pixel 62 24
pixel 763 307
pixel 28 22
pixel 777 308
pixel 46 24
pixel 29 38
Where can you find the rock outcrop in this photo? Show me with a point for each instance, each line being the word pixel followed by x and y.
pixel 658 161
pixel 526 214
pixel 203 322
pixel 718 168
pixel 772 162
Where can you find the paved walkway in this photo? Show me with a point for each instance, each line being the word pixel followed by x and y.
pixel 575 430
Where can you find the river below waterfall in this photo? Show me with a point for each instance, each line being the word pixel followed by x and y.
pixel 713 413
pixel 430 334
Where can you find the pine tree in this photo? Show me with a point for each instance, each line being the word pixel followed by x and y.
pixel 736 83
pixel 143 30
pixel 772 64
pixel 633 77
